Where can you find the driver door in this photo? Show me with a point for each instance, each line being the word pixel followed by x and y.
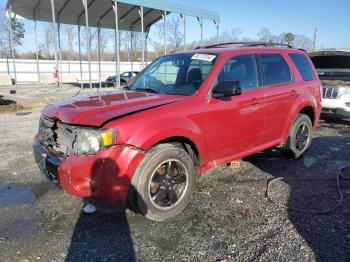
pixel 235 124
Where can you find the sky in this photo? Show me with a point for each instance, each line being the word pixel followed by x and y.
pixel 299 17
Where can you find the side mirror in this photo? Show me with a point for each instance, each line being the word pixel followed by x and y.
pixel 227 88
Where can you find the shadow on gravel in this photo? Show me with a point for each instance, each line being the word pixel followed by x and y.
pixel 312 185
pixel 101 237
pixel 104 235
pixel 336 120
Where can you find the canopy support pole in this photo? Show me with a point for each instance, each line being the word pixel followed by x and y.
pixel 99 52
pixel 200 20
pixel 142 38
pixel 60 75
pixel 164 33
pixel 36 51
pixel 81 66
pixel 55 36
pixel 89 39
pixel 11 45
pixel 217 30
pixel 117 47
pixel 132 50
pixel 183 17
pixel 146 46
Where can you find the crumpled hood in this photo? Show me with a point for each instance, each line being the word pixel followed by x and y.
pixel 97 108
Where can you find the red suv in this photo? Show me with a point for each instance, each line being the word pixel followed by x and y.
pixel 181 116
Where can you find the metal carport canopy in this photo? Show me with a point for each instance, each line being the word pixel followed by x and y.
pixel 130 15
pixel 101 12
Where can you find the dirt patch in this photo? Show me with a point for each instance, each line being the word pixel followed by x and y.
pixel 10 108
pixel 7 105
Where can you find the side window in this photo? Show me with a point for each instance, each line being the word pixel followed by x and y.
pixel 275 69
pixel 303 65
pixel 242 69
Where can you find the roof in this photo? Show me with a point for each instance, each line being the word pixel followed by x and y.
pixel 237 50
pixel 101 12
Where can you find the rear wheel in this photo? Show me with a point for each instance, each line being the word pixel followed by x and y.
pixel 162 184
pixel 300 137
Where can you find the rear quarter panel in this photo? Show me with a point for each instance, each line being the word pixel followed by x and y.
pixel 310 93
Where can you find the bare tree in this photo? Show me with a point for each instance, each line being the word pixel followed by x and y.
pixel 70 36
pixel 175 36
pixel 236 34
pixel 157 40
pixel 125 39
pixel 48 40
pixel 92 43
pixel 304 42
pixel 104 38
pixel 265 35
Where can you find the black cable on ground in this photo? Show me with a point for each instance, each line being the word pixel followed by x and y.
pixel 340 201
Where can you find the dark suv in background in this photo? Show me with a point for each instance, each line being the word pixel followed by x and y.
pixel 125 78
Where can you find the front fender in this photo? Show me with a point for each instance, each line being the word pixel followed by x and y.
pixel 169 128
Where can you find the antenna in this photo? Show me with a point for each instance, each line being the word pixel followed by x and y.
pixel 315 38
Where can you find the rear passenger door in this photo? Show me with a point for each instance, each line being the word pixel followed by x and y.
pixel 281 93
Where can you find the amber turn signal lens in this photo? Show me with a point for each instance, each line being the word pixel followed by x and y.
pixel 108 136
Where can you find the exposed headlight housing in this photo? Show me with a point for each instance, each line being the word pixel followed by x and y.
pixel 90 141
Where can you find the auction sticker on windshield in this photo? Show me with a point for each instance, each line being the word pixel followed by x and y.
pixel 204 57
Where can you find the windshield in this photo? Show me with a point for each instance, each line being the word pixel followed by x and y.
pixel 179 74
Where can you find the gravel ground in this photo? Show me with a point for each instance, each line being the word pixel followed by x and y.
pixel 228 219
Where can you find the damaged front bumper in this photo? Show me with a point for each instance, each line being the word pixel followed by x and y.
pixel 46 161
pixel 101 178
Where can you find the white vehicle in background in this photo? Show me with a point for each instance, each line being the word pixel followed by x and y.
pixel 333 67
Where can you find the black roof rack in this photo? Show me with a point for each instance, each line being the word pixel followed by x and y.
pixel 245 44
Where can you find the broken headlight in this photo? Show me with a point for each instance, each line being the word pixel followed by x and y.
pixel 90 141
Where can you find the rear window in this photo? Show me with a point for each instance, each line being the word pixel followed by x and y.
pixel 303 65
pixel 275 69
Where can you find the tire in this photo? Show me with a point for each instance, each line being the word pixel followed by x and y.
pixel 297 146
pixel 152 193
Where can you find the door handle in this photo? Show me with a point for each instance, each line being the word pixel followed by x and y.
pixel 293 93
pixel 254 104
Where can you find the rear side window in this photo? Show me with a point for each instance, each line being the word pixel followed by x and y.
pixel 303 65
pixel 242 69
pixel 275 69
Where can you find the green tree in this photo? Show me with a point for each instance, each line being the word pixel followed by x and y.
pixel 17 32
pixel 289 38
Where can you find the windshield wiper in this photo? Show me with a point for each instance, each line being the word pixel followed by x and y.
pixel 147 89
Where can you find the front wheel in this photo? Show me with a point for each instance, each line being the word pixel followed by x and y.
pixel 163 182
pixel 300 137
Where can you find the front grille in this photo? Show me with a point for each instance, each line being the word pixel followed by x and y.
pixel 55 134
pixel 330 92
